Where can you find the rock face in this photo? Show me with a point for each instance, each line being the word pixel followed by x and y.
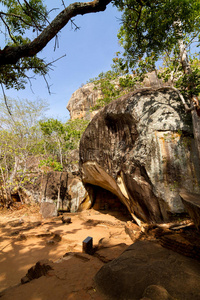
pixel 47 187
pixel 148 271
pixel 192 205
pixel 141 149
pixel 82 101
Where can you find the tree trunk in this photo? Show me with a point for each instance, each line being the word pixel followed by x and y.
pixel 59 190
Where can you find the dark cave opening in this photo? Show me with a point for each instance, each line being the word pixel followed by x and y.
pixel 106 202
pixel 15 197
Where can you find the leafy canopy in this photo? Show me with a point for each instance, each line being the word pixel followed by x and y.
pixel 19 20
pixel 151 28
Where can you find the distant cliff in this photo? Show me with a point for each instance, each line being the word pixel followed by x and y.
pixel 86 97
pixel 82 101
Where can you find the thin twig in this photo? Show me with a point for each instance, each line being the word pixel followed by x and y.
pixel 48 86
pixel 63 3
pixel 12 38
pixel 16 16
pixel 5 100
pixel 73 24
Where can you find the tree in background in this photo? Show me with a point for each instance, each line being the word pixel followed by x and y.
pixel 60 138
pixel 20 138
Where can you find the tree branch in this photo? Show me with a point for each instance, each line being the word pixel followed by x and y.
pixel 187 108
pixel 11 54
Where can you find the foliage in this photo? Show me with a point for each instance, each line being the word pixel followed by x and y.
pixel 112 84
pixel 60 137
pixel 20 138
pixel 18 20
pixel 149 29
pixel 25 134
pixel 117 81
pixel 49 162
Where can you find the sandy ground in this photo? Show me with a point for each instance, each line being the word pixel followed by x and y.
pixel 26 238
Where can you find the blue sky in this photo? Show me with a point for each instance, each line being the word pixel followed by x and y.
pixel 89 51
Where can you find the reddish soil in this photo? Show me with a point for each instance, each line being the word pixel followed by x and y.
pixel 26 238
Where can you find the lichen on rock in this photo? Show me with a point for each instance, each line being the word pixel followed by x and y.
pixel 141 148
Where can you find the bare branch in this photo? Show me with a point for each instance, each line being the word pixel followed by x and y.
pixel 9 32
pixel 48 86
pixel 187 108
pixel 74 24
pixel 5 100
pixel 63 3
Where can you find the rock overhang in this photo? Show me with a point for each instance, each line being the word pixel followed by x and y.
pixel 144 141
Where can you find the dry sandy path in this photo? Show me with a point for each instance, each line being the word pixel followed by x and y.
pixel 26 238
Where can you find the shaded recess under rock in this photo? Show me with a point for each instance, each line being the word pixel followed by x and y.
pixel 141 149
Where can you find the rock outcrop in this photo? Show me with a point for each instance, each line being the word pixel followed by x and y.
pixel 141 149
pixel 146 270
pixel 192 206
pixel 86 97
pixel 51 187
pixel 82 100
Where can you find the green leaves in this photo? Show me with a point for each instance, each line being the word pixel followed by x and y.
pixel 19 21
pixel 21 16
pixel 49 162
pixel 150 30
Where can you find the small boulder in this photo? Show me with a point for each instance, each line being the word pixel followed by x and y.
pixel 48 210
pixel 156 292
pixel 66 220
pixel 41 268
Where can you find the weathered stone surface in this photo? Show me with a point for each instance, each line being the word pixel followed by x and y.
pixel 48 186
pixel 141 149
pixel 82 101
pixel 156 292
pixel 77 194
pixel 144 264
pixel 192 205
pixel 48 210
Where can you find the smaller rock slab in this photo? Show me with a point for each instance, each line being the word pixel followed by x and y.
pixel 48 210
pixel 192 205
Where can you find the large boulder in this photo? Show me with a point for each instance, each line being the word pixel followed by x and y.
pixel 141 149
pixel 145 270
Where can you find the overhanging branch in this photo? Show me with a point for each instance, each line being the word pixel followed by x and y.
pixel 11 54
